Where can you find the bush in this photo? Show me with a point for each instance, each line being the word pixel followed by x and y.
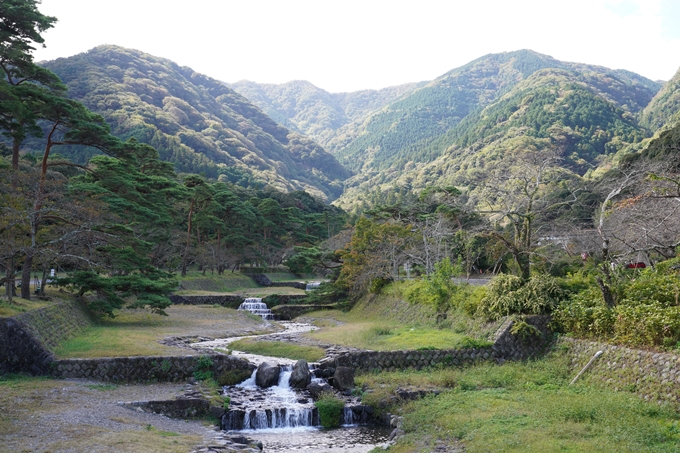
pixel 585 315
pixel 647 324
pixel 203 368
pixel 508 294
pixel 330 409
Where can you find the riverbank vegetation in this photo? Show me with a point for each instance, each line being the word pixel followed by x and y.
pixel 519 407
pixel 279 349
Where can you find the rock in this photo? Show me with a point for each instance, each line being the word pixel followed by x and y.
pixel 267 375
pixel 315 389
pixel 343 378
pixel 216 411
pixel 300 377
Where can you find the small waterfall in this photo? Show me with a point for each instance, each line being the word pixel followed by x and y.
pixel 276 407
pixel 348 416
pixel 312 285
pixel 257 307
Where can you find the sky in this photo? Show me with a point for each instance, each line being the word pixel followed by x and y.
pixel 349 45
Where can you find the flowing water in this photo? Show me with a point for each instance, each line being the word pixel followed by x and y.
pixel 257 307
pixel 285 419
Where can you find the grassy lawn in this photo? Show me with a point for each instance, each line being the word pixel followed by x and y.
pixel 279 349
pixel 244 292
pixel 137 332
pixel 352 329
pixel 525 407
pixel 19 306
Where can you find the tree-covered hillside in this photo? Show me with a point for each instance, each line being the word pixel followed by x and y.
pixel 410 129
pixel 196 122
pixel 665 107
pixel 326 117
pixel 450 131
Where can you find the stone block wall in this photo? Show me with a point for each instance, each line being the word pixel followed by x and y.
pixel 508 346
pixel 27 340
pixel 653 375
pixel 225 301
pixel 399 360
pixel 143 369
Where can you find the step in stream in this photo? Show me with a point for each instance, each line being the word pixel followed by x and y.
pixel 257 307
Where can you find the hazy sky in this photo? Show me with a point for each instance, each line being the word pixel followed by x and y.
pixel 349 45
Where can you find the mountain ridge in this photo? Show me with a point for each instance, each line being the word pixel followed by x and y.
pixel 195 121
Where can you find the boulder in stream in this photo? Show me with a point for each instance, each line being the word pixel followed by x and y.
pixel 300 377
pixel 343 378
pixel 317 388
pixel 267 375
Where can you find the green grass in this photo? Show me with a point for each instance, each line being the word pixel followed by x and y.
pixel 137 332
pixel 526 407
pixel 19 306
pixel 382 336
pixel 279 349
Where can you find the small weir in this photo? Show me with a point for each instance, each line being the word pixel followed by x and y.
pixel 257 307
pixel 312 285
pixel 285 419
pixel 276 407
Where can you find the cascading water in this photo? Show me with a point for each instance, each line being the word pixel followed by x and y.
pixel 276 407
pixel 312 285
pixel 257 307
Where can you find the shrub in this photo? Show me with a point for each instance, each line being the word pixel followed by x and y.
pixel 330 409
pixel 508 294
pixel 585 315
pixel 203 368
pixel 647 324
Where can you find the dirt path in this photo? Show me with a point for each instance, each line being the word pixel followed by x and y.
pixel 73 416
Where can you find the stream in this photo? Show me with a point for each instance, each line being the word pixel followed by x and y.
pixel 284 419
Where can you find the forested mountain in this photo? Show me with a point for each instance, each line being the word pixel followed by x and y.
pixel 665 107
pixel 325 117
pixel 449 131
pixel 195 122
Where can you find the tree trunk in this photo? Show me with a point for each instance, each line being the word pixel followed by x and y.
pixel 9 284
pixel 606 293
pixel 43 282
pixel 26 277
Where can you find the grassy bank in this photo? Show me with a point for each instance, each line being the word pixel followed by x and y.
pixel 279 349
pixel 525 407
pixel 137 333
pixel 386 321
pixel 19 306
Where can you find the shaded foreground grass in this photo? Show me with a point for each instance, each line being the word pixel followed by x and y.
pixel 526 407
pixel 137 332
pixel 64 420
pixel 344 329
pixel 279 349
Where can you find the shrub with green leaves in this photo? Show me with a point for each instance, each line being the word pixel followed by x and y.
pixel 203 368
pixel 508 294
pixel 330 409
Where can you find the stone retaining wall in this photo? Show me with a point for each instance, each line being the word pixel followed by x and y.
pixel 143 369
pixel 274 300
pixel 27 340
pixel 507 346
pixel 288 312
pixel 225 301
pixel 653 375
pixel 399 360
